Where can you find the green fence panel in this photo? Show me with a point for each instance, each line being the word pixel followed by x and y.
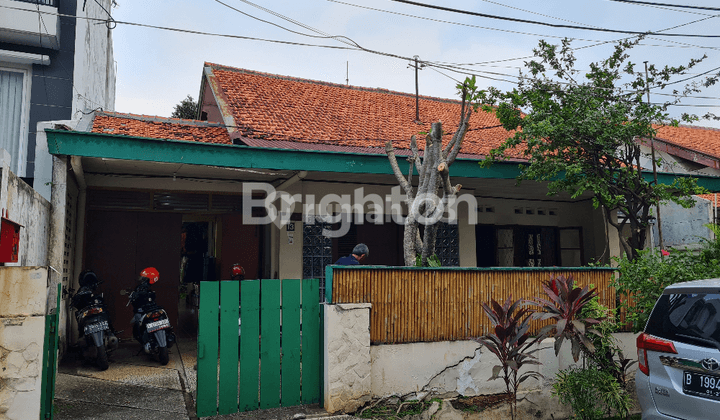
pixel 311 339
pixel 249 344
pixel 229 312
pixel 49 366
pixel 207 351
pixel 270 344
pixel 291 342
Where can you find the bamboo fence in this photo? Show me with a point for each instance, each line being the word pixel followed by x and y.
pixel 423 305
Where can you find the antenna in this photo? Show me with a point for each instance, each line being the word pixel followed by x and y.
pixel 347 73
pixel 417 90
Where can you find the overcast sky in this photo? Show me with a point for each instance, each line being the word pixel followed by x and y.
pixel 156 68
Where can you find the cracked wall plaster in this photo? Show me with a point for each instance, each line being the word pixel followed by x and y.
pixel 347 357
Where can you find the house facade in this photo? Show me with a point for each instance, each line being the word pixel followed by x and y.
pixel 690 151
pixel 284 176
pixel 56 61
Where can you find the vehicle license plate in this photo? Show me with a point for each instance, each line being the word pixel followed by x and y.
pixel 701 385
pixel 158 325
pixel 96 326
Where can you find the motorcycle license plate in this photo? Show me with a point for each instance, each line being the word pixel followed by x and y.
pixel 96 326
pixel 157 325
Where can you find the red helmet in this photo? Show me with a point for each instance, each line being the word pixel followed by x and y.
pixel 151 274
pixel 238 271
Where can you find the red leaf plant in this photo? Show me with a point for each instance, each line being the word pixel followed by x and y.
pixel 509 343
pixel 563 305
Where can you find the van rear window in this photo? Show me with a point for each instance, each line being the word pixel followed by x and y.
pixel 687 318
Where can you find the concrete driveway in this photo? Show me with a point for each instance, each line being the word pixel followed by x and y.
pixel 137 387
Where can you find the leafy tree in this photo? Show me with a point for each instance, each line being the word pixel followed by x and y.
pixel 580 132
pixel 186 109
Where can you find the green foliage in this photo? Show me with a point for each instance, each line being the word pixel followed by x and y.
pixel 563 306
pixel 186 109
pixel 608 355
pixel 432 261
pixel 579 131
pixel 509 343
pixel 591 393
pixel 640 282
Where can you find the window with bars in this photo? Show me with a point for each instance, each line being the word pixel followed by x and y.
pixel 317 252
pixel 447 245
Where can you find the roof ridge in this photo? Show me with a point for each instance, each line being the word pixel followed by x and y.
pixel 215 66
pixel 156 118
pixel 689 126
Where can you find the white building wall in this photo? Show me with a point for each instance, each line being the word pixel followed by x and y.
pixel 22 334
pixel 94 71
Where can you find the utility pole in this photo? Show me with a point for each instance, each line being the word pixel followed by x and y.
pixel 654 167
pixel 417 89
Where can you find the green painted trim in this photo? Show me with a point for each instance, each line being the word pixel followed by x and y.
pixel 112 146
pixel 330 268
pixel 75 143
pixel 328 281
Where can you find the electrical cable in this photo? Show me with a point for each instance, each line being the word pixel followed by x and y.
pixel 324 36
pixel 188 31
pixel 552 25
pixel 667 5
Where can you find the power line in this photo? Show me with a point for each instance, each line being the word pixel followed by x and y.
pixel 188 31
pixel 651 3
pixel 552 25
pixel 323 36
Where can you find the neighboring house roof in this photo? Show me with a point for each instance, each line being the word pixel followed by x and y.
pixel 711 198
pixel 290 110
pixel 159 128
pixel 698 144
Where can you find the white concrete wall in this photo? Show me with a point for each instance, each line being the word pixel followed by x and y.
pixel 347 382
pixel 452 368
pixel 22 333
pixel 19 24
pixel 27 207
pixel 94 70
pixel 682 228
pixel 424 370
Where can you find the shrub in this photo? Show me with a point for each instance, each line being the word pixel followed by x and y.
pixel 591 393
pixel 509 343
pixel 563 306
pixel 640 282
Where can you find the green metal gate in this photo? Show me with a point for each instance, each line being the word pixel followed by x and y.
pixel 276 360
pixel 49 368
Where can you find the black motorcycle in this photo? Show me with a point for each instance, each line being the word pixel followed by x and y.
pixel 93 320
pixel 151 326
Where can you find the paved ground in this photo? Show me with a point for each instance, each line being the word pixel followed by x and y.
pixel 137 387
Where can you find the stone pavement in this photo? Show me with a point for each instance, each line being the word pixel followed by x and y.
pixel 137 387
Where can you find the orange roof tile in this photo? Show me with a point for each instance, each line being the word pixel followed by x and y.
pixel 711 198
pixel 699 139
pixel 159 128
pixel 273 107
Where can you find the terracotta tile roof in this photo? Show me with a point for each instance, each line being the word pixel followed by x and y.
pixel 711 198
pixel 271 107
pixel 159 128
pixel 699 139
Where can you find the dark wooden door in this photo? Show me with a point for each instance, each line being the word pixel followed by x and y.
pixel 120 244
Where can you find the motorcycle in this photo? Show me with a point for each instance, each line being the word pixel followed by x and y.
pixel 93 320
pixel 151 326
